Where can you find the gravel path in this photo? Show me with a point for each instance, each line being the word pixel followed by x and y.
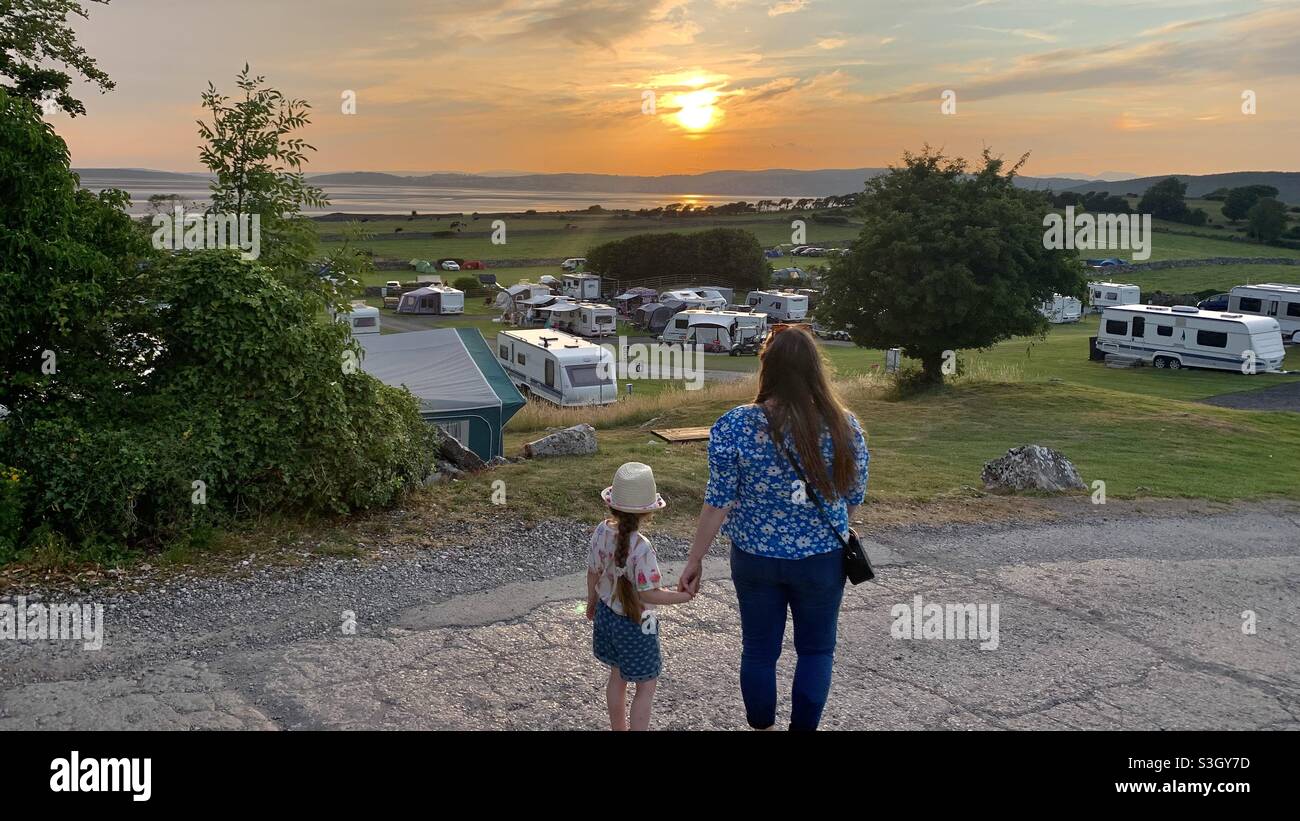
pixel 1107 619
pixel 1277 398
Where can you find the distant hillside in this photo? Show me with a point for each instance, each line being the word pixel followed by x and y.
pixel 1198 185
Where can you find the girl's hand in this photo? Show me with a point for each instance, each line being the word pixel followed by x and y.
pixel 591 610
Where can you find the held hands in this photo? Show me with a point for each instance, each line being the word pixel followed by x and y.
pixel 591 609
pixel 690 578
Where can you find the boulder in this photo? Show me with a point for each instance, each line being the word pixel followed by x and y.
pixel 496 461
pixel 579 440
pixel 450 450
pixel 1031 467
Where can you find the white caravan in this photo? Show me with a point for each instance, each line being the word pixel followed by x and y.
pixel 581 286
pixel 1187 337
pixel 1062 309
pixel 558 367
pixel 362 319
pixel 688 298
pixel 718 330
pixel 582 318
pixel 780 306
pixel 1109 294
pixel 1273 299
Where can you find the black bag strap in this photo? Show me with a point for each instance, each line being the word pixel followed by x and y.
pixel 811 491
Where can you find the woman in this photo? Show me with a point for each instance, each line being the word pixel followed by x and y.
pixel 784 554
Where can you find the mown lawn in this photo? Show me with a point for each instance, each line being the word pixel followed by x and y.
pixel 931 447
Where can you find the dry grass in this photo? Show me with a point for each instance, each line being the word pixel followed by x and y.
pixel 629 410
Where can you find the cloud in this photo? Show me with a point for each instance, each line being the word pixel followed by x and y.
pixel 786 7
pixel 829 43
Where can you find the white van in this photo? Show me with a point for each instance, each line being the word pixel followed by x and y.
pixel 573 263
pixel 1109 294
pixel 1187 337
pixel 558 367
pixel 1273 299
pixel 1062 309
pixel 714 330
pixel 780 306
pixel 581 286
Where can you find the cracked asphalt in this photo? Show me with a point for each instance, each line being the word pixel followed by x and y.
pixel 1110 618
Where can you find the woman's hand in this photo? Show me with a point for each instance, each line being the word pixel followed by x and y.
pixel 691 575
pixel 591 609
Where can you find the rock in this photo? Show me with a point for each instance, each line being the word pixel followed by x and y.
pixel 459 456
pixel 1031 467
pixel 445 471
pixel 497 460
pixel 579 440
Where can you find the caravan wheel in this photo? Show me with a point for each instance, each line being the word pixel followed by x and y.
pixel 1160 362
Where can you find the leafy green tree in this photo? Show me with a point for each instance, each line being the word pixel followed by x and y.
pixel 719 255
pixel 1267 219
pixel 1239 201
pixel 256 159
pixel 37 43
pixel 1165 200
pixel 950 258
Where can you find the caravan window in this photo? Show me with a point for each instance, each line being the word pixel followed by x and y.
pixel 1113 296
pixel 1272 308
pixel 364 322
pixel 605 320
pixel 585 376
pixel 1165 330
pixel 1096 294
pixel 681 323
pixel 1250 304
pixel 1139 326
pixel 504 353
pixel 519 357
pixel 1293 309
pixel 550 372
pixel 1212 339
pixel 1117 327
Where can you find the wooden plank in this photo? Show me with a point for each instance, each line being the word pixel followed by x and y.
pixel 682 434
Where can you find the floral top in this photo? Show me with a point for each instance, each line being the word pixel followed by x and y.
pixel 771 514
pixel 642 565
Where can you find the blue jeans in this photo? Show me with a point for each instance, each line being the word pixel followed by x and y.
pixel 812 589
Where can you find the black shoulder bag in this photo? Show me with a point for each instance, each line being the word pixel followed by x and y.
pixel 857 567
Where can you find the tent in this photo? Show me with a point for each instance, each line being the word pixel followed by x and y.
pixel 659 318
pixel 432 299
pixel 454 377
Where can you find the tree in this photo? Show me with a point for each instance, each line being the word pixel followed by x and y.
pixel 950 258
pixel 1267 219
pixel 35 39
pixel 257 162
pixel 1239 201
pixel 1164 200
pixel 721 255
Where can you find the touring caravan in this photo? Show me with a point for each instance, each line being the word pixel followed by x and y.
pixel 687 298
pixel 1062 309
pixel 1187 337
pixel 581 318
pixel 715 330
pixel 1108 294
pixel 780 306
pixel 1272 299
pixel 362 319
pixel 558 367
pixel 432 299
pixel 581 286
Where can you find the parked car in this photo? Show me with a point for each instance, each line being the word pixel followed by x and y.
pixel 450 266
pixel 1218 302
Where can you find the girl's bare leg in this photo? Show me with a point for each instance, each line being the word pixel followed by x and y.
pixel 616 696
pixel 641 704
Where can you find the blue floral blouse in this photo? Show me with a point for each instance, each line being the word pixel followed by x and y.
pixel 771 514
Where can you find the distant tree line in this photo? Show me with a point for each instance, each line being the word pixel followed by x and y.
pixel 723 255
pixel 760 207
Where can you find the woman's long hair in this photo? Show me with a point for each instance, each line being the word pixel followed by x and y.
pixel 801 404
pixel 624 593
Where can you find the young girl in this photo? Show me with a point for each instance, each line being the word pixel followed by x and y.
pixel 622 590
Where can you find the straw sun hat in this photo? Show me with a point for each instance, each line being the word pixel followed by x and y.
pixel 634 490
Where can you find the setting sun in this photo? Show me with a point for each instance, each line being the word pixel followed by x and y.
pixel 697 111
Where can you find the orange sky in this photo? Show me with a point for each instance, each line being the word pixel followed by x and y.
pixel 558 85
